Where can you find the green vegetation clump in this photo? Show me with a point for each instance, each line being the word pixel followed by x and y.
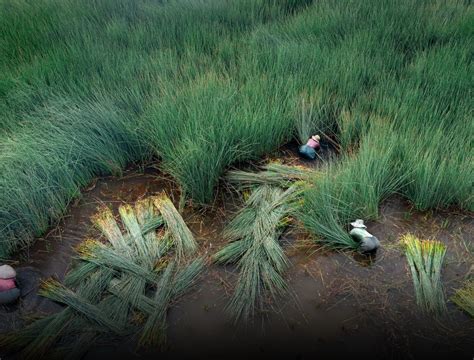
pixel 87 88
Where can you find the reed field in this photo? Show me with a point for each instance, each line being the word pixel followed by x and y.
pixel 89 87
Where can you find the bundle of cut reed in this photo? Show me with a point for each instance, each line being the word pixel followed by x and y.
pixel 425 258
pixel 153 333
pixel 135 238
pixel 186 277
pixel 179 232
pixel 274 173
pixel 464 297
pixel 55 291
pixel 36 339
pixel 140 241
pixel 79 272
pixel 95 252
pixel 254 246
pixel 106 222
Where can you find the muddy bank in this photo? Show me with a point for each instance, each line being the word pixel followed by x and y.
pixel 339 303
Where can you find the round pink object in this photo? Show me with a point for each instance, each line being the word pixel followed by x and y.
pixel 7 284
pixel 313 144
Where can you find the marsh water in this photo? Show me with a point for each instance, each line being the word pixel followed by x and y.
pixel 339 303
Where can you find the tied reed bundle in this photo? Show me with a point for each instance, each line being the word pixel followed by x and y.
pixel 425 258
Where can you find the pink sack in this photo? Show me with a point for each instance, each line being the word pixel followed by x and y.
pixel 7 284
pixel 313 144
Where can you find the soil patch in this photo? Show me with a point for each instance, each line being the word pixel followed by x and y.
pixel 339 303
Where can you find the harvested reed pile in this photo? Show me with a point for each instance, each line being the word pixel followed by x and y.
pixel 274 173
pixel 425 258
pixel 464 298
pixel 135 271
pixel 254 247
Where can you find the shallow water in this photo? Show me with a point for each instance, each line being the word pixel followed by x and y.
pixel 339 303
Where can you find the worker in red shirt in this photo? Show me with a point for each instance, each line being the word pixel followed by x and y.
pixel 308 150
pixel 9 291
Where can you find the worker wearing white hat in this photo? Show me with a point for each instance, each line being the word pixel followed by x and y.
pixel 368 242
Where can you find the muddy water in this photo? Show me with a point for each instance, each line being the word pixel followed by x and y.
pixel 339 304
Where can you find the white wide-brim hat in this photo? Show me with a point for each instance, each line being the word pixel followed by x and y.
pixel 7 272
pixel 359 223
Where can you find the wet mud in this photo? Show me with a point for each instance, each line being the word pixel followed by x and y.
pixel 338 305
